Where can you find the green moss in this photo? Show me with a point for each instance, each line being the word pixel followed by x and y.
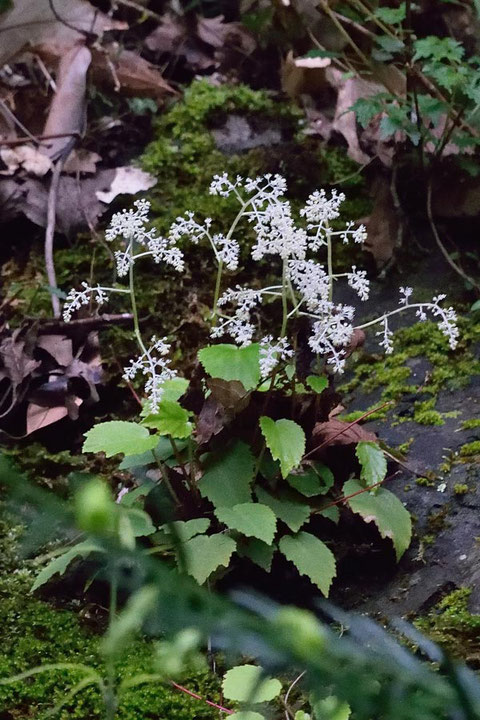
pixel 471 448
pixel 425 482
pixel 471 424
pixel 404 448
pixel 437 521
pixel 453 627
pixel 33 633
pixel 450 370
pixel 460 489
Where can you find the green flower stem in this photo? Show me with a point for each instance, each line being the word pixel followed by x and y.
pixel 217 289
pixel 165 479
pixel 284 300
pixel 110 690
pixel 329 265
pixel 133 301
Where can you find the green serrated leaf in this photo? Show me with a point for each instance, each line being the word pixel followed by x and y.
pixel 248 683
pixel 317 383
pixel 331 513
pixel 185 530
pixel 141 522
pixel 204 554
pixel 171 419
pixel 250 519
pixel 172 390
pixel 258 552
pixel 315 480
pixel 60 564
pixel 331 708
pixel 311 557
pixel 119 436
pixel 130 619
pixel 286 441
pixel 385 510
pixel 247 715
pixel 292 513
pixel 230 362
pixel 228 476
pixel 373 463
pixel 391 16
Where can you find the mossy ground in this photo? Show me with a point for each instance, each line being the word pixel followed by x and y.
pixel 451 625
pixel 32 633
pixel 391 374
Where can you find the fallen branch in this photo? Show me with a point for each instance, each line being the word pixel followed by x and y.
pixel 50 231
pixel 89 323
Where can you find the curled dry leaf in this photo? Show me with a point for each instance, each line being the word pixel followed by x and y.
pixel 337 432
pixel 227 398
pixel 127 181
pixel 81 161
pixel 302 76
pixel 39 417
pixel 29 23
pixel 67 113
pixel 384 225
pixel 25 157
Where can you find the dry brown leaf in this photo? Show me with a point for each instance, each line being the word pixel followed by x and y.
pixel 344 122
pixel 218 34
pixel 32 21
pixel 127 181
pixel 39 417
pixel 81 161
pixel 128 72
pixel 25 157
pixel 172 37
pixel 58 346
pixel 337 432
pixel 298 77
pixel 68 109
pixel 383 225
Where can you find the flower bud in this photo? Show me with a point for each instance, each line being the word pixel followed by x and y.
pixel 94 508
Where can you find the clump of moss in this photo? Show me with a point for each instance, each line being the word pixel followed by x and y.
pixel 471 448
pixel 33 633
pixel 460 489
pixel 437 521
pixel 425 482
pixel 471 424
pixel 450 370
pixel 453 627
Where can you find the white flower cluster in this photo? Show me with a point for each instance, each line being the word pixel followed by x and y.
pixel 130 226
pixel 271 352
pixel 152 363
pixel 76 298
pixel 306 287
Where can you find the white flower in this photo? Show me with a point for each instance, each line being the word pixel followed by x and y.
pixel 387 337
pixel 333 332
pixel 271 352
pixel 228 251
pixel 76 298
pixel 188 227
pixel 320 209
pixel 448 321
pixel 223 186
pixel 311 281
pixel 405 294
pixel 129 224
pixel 277 234
pixel 268 188
pixel 239 326
pixel 357 280
pixel 155 367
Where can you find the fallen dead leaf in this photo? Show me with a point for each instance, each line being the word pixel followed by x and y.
pixel 31 22
pixel 383 225
pixel 39 417
pixel 299 77
pixel 81 160
pixel 337 432
pixel 127 180
pixel 58 346
pixel 27 158
pixel 68 109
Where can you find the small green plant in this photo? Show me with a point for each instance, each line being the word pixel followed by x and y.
pixel 230 447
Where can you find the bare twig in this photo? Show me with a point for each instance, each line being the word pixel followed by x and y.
pixel 440 244
pixel 37 138
pixel 140 9
pixel 5 109
pixel 50 231
pixel 60 19
pixel 89 323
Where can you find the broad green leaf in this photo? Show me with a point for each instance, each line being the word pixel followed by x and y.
pixel 331 708
pixel 475 306
pixel 60 564
pixel 119 436
pixel 230 362
pixel 171 419
pixel 248 683
pixel 250 519
pixel 311 557
pixel 317 383
pixel 258 552
pixel 172 390
pixel 132 496
pixel 315 480
pixel 204 554
pixel 285 440
pixel 372 460
pixel 184 530
pixel 384 509
pixel 302 715
pixel 331 513
pixel 163 451
pixel 130 619
pixel 292 513
pixel 228 476
pixel 391 15
pixel 247 715
pixel 141 522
